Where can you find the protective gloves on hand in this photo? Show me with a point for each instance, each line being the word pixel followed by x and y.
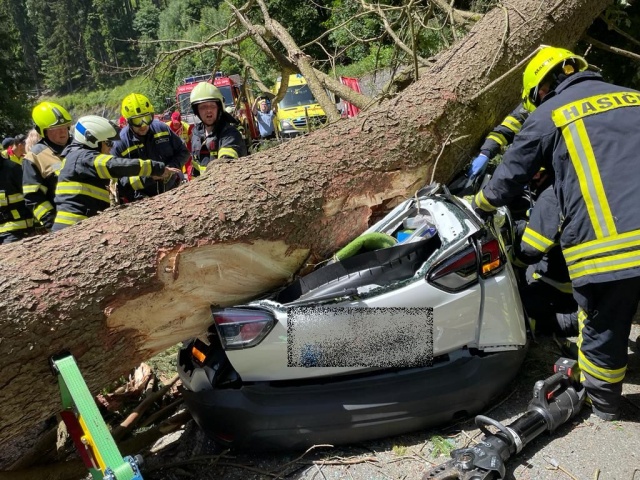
pixel 477 166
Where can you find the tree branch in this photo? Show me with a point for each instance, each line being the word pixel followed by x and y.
pixel 608 48
pixel 461 17
pixel 615 28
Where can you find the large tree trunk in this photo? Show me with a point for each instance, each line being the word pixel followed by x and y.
pixel 122 286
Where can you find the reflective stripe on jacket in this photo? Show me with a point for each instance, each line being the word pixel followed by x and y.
pixel 160 144
pixel 586 129
pixel 540 245
pixel 224 142
pixel 182 131
pixel 503 134
pixel 82 185
pixel 14 214
pixel 40 169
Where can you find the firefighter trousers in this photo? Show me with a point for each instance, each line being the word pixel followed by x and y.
pixel 607 310
pixel 551 309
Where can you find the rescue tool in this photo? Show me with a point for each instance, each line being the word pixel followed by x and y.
pixel 85 425
pixel 555 401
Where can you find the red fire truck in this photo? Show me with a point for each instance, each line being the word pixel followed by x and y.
pixel 236 96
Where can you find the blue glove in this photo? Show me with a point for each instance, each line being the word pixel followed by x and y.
pixel 477 166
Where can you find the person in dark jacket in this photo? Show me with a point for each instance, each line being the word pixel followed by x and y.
pixel 585 130
pixel 41 164
pixel 82 191
pixel 16 220
pixel 546 291
pixel 150 139
pixel 501 136
pixel 217 136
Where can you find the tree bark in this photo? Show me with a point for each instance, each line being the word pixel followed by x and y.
pixel 118 288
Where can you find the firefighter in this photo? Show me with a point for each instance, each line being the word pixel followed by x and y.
pixel 17 152
pixel 82 189
pixel 585 129
pixel 546 291
pixel 217 136
pixel 41 164
pixel 150 139
pixel 184 131
pixel 16 220
pixel 180 128
pixel 501 136
pixel 6 144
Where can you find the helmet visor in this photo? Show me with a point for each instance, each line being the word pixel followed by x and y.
pixel 141 120
pixel 59 118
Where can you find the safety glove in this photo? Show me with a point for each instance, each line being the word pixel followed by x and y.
pixel 478 165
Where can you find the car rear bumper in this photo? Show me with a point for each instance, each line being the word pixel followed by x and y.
pixel 265 416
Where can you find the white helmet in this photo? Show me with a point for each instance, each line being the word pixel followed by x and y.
pixel 92 129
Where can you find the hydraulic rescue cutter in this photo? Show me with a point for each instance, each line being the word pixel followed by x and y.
pixel 85 425
pixel 555 401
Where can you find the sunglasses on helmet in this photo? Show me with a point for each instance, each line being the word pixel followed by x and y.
pixel 141 120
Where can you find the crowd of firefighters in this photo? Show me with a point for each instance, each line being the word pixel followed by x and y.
pixel 67 177
pixel 572 143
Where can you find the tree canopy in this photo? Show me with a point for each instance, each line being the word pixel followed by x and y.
pixel 56 47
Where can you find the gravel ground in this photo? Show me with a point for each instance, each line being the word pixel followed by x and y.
pixel 578 450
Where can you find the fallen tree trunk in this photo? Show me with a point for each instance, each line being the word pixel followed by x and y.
pixel 137 279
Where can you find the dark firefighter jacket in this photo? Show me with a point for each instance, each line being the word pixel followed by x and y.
pixel 82 184
pixel 503 134
pixel 159 144
pixel 14 214
pixel 224 142
pixel 40 169
pixel 539 243
pixel 586 131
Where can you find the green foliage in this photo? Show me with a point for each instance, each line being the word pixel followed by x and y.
pixel 367 26
pixel 107 102
pixel 615 68
pixel 164 364
pixel 375 60
pixel 399 450
pixel 441 446
pixel 14 79
pixel 67 46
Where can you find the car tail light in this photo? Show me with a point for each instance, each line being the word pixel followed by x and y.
pixel 457 272
pixel 492 260
pixel 199 351
pixel 242 327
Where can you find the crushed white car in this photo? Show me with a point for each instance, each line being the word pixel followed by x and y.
pixel 417 322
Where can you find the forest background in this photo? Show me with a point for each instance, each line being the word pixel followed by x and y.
pixel 89 54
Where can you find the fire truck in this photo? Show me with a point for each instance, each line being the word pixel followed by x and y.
pixel 236 97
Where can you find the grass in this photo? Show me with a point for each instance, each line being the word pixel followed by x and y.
pixel 441 446
pixel 107 102
pixel 164 364
pixel 399 450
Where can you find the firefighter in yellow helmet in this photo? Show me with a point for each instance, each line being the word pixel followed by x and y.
pixel 149 139
pixel 217 136
pixel 502 135
pixel 586 130
pixel 42 163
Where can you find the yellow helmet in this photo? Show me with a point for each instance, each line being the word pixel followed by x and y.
pixel 136 105
pixel 48 114
pixel 205 92
pixel 541 65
